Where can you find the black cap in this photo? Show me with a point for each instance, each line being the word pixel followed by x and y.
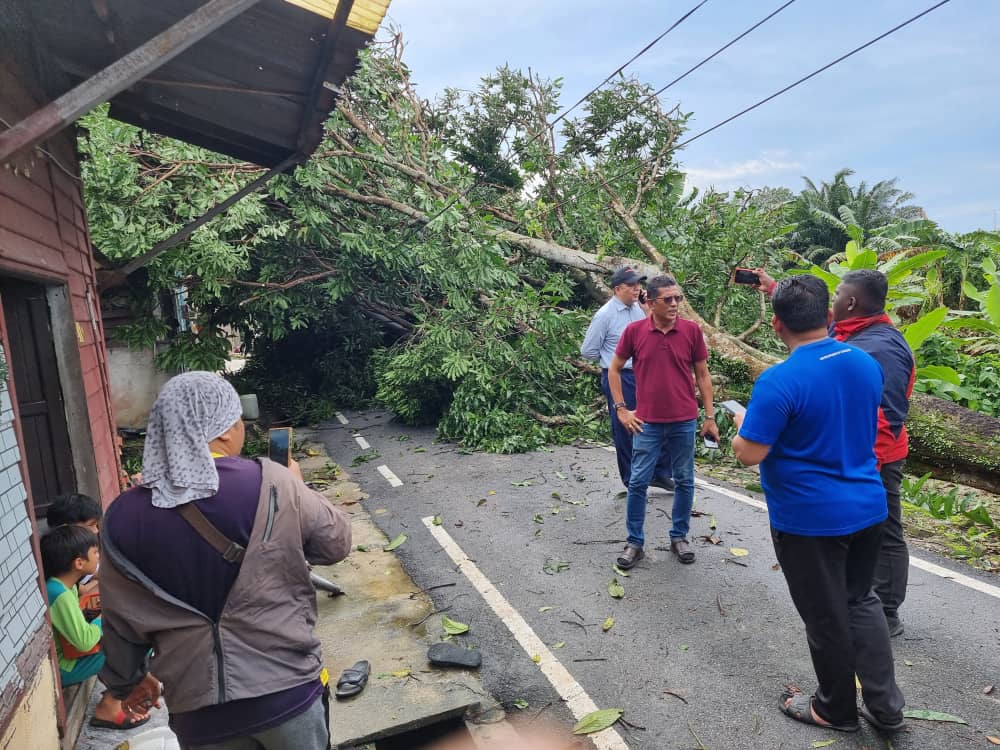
pixel 626 276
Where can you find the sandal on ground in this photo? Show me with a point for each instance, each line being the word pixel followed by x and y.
pixel 452 655
pixel 881 724
pixel 799 707
pixel 352 681
pixel 122 721
pixel 630 556
pixel 682 549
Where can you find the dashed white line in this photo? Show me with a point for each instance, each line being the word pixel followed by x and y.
pixel 578 702
pixel 341 418
pixel 391 478
pixel 362 442
pixel 962 580
pixel 729 493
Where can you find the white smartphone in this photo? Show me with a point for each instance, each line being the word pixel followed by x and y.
pixel 709 443
pixel 733 407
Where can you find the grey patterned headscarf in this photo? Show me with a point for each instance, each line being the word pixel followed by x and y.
pixel 192 410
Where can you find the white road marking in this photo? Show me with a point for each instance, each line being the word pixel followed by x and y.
pixel 391 478
pixel 362 442
pixel 730 493
pixel 341 418
pixel 963 580
pixel 578 702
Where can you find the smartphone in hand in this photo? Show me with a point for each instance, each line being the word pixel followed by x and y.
pixel 746 276
pixel 710 444
pixel 279 445
pixel 642 296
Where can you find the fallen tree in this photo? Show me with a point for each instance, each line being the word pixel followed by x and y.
pixel 473 231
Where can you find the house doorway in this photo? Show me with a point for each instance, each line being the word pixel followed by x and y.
pixel 34 371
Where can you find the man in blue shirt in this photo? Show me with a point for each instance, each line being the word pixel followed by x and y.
pixel 811 425
pixel 624 307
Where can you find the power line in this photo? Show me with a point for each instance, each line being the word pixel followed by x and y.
pixel 630 170
pixel 631 60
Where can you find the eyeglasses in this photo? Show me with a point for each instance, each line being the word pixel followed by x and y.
pixel 678 298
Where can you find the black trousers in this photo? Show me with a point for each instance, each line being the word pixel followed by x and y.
pixel 893 567
pixel 830 580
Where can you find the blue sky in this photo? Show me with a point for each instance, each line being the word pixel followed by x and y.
pixel 922 105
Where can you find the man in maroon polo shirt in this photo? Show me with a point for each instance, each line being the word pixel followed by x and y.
pixel 665 349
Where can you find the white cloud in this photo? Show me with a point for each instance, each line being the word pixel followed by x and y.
pixel 738 171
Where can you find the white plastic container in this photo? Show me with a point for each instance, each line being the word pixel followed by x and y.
pixel 160 738
pixel 251 410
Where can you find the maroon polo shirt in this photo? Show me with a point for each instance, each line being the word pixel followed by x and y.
pixel 663 364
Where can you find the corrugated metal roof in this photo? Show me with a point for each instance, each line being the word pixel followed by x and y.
pixel 365 15
pixel 258 88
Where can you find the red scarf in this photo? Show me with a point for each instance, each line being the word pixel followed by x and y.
pixel 844 329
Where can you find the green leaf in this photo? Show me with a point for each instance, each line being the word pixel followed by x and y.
pixel 904 268
pixel 559 645
pixel 939 372
pixel 397 542
pixel 616 590
pixel 539 518
pixel 972 293
pixel 619 571
pixel 823 743
pixel 867 259
pixel 544 609
pixel 917 332
pixel 553 566
pixel 992 304
pixel 852 250
pixel 608 624
pixel 453 627
pixel 520 704
pixel 361 548
pixel 436 520
pixel 597 721
pixel 927 715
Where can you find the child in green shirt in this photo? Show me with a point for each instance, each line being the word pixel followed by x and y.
pixel 68 554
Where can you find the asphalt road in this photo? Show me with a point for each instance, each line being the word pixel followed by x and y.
pixel 721 635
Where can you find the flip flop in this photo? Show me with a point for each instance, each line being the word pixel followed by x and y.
pixel 122 721
pixel 800 709
pixel 352 681
pixel 880 724
pixel 452 655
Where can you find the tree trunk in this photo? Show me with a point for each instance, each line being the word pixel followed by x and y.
pixel 954 443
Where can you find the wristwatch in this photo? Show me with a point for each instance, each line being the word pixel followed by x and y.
pixel 620 405
pixel 708 418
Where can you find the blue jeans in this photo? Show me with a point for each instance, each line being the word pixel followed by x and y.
pixel 646 447
pixel 621 437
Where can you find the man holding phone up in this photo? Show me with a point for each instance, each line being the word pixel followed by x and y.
pixel 664 349
pixel 625 307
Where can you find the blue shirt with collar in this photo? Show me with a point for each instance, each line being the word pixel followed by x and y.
pixel 606 328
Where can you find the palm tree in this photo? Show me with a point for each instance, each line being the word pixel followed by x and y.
pixel 822 214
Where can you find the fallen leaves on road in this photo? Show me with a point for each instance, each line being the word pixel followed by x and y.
pixel 559 645
pixel 539 518
pixel 712 524
pixel 608 624
pixel 993 740
pixel 619 571
pixel 544 609
pixel 710 539
pixel 520 704
pixel 482 501
pixel 823 743
pixel 397 542
pixel 988 689
pixel 616 590
pixel 776 566
pixel 597 721
pixel 537 659
pixel 739 551
pixel 453 627
pixel 436 520
pixel 553 566
pixel 525 483
pixel 927 715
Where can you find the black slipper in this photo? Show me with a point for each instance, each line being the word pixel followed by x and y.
pixel 448 654
pixel 352 681
pixel 881 724
pixel 800 709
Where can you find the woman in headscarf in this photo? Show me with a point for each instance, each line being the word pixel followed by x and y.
pixel 231 634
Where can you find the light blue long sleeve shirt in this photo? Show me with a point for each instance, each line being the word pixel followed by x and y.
pixel 606 328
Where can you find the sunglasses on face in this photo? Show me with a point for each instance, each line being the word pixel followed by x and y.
pixel 669 298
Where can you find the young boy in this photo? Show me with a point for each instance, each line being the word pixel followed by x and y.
pixel 78 509
pixel 69 553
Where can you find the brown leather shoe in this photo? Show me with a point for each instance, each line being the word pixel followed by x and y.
pixel 630 556
pixel 682 549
